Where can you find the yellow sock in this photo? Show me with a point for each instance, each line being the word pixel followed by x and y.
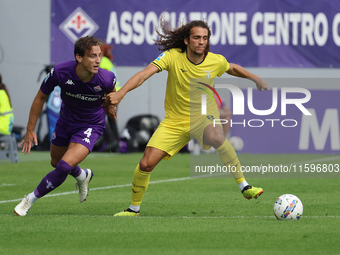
pixel 140 184
pixel 229 157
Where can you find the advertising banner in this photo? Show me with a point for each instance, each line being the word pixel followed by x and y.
pixel 253 33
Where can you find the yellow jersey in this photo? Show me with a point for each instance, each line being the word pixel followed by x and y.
pixel 181 71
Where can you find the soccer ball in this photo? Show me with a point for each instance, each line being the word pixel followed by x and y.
pixel 288 207
pixel 236 142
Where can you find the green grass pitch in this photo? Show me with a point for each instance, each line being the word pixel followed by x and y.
pixel 180 215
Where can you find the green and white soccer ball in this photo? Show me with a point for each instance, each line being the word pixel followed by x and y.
pixel 288 207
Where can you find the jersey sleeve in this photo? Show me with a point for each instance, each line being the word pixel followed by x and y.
pixel 108 79
pixel 113 82
pixel 51 81
pixel 224 65
pixel 163 61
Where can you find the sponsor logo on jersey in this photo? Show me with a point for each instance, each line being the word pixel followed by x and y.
pixel 160 56
pixel 69 82
pixel 78 24
pixel 90 98
pixel 208 73
pixel 97 88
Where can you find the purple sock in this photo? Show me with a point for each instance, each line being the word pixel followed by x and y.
pixel 76 171
pixel 53 179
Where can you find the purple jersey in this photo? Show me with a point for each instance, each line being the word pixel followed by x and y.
pixel 81 102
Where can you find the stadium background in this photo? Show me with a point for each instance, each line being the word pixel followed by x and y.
pixel 181 214
pixel 27 45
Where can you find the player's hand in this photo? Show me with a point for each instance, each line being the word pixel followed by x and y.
pixel 111 111
pixel 113 98
pixel 29 139
pixel 261 84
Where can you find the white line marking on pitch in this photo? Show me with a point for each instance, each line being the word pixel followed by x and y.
pixel 6 185
pixel 178 217
pixel 101 188
pixel 160 181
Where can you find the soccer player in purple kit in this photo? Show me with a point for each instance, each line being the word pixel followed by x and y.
pixel 81 122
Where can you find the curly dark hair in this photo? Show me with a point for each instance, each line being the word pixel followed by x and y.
pixel 169 38
pixel 86 43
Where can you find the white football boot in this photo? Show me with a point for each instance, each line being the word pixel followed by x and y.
pixel 22 208
pixel 84 185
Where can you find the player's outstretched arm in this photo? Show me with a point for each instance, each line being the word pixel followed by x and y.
pixel 135 81
pixel 30 136
pixel 239 71
pixel 111 111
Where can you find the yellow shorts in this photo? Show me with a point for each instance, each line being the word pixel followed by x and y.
pixel 198 125
pixel 173 134
pixel 170 136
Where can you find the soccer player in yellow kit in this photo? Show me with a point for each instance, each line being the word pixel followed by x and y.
pixel 186 54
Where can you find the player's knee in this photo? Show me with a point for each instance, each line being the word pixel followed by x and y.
pixel 214 141
pixel 145 165
pixel 218 142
